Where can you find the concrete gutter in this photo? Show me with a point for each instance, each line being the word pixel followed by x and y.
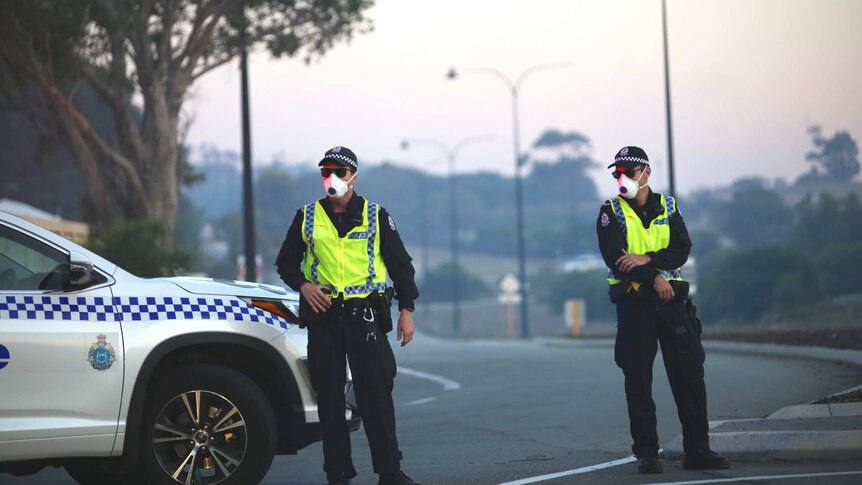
pixel 800 432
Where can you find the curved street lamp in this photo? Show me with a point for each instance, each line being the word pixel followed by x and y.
pixel 520 161
pixel 451 154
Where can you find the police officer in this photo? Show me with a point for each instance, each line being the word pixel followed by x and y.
pixel 337 253
pixel 644 242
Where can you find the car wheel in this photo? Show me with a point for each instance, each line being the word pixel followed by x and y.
pixel 206 425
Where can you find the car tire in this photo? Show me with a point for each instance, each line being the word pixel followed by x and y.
pixel 213 417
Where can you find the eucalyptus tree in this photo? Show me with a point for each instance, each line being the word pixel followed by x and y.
pixel 141 58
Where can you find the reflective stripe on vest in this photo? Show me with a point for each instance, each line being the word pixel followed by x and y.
pixel 647 245
pixel 336 265
pixel 309 237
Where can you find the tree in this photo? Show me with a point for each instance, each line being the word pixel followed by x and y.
pixel 837 156
pixel 437 284
pixel 554 288
pixel 756 215
pixel 745 284
pixel 560 162
pixel 571 144
pixel 136 246
pixel 827 220
pixel 152 51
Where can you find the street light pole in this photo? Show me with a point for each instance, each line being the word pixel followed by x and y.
pixel 423 235
pixel 451 154
pixel 667 101
pixel 247 186
pixel 514 88
pixel 519 214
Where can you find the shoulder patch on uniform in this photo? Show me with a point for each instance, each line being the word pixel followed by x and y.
pixel 607 202
pixel 605 219
pixel 391 223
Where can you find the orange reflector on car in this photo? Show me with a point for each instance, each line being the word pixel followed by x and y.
pixel 277 308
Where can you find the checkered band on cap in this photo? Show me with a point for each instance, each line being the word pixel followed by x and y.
pixel 630 155
pixel 341 154
pixel 632 159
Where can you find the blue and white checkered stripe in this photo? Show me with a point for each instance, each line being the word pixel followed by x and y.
pixel 670 209
pixel 193 308
pixel 365 289
pixel 372 237
pixel 621 219
pixel 670 204
pixel 309 235
pixel 132 309
pixel 370 285
pixel 621 216
pixel 42 307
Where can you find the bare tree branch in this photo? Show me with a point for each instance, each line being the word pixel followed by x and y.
pixel 209 67
pixel 203 39
pixel 201 13
pixel 37 72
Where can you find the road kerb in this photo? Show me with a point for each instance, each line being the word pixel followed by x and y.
pixel 780 445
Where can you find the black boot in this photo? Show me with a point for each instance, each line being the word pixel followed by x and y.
pixel 649 465
pixel 705 460
pixel 340 481
pixel 397 478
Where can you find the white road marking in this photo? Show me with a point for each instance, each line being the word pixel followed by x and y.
pixel 576 471
pixel 420 401
pixel 448 384
pixel 765 477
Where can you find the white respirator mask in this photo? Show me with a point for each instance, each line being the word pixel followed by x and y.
pixel 336 187
pixel 629 187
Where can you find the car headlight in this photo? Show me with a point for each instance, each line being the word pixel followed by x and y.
pixel 286 310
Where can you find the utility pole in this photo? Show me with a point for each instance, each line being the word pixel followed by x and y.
pixel 667 102
pixel 247 187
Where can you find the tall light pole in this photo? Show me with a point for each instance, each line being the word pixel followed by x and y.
pixel 247 187
pixel 451 154
pixel 423 235
pixel 667 101
pixel 520 159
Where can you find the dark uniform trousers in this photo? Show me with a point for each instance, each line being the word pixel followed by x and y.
pixel 338 332
pixel 640 326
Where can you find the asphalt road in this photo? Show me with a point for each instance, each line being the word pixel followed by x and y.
pixel 491 412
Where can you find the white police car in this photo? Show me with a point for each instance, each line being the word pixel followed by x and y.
pixel 122 379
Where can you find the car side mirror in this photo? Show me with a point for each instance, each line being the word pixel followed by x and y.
pixel 80 269
pixel 78 263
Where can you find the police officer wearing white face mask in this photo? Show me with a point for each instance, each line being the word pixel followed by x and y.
pixel 337 253
pixel 644 242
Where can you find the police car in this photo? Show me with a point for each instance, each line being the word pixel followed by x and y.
pixel 121 379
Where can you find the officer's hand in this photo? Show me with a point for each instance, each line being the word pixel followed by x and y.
pixel 663 288
pixel 628 262
pixel 316 297
pixel 405 327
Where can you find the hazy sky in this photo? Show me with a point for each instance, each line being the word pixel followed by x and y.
pixel 747 78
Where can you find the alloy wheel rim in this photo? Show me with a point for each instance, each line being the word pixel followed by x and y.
pixel 199 438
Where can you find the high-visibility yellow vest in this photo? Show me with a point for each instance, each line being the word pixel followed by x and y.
pixel 640 240
pixel 352 264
